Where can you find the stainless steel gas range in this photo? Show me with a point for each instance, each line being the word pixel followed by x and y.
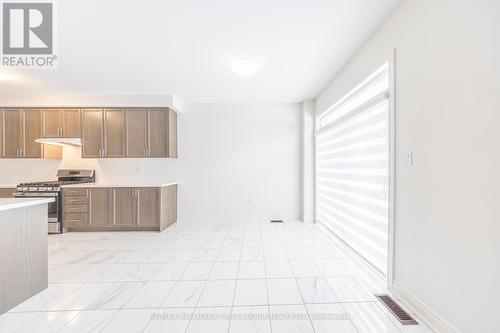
pixel 53 189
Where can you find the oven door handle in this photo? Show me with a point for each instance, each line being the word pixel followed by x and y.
pixel 35 195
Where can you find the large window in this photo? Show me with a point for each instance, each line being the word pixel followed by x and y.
pixel 352 169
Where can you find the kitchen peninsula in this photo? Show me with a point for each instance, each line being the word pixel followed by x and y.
pixel 23 250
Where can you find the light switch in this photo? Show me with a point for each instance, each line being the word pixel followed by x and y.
pixel 409 159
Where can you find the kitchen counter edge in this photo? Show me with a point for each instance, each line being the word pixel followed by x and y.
pixel 13 203
pixel 94 185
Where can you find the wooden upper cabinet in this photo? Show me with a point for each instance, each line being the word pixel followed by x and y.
pixel 92 133
pixel 136 128
pixel 20 129
pixel 158 132
pixel 148 207
pixel 12 133
pixel 100 207
pixel 71 127
pixel 61 123
pixel 32 130
pixel 114 133
pixel 172 134
pixel 151 132
pixel 51 123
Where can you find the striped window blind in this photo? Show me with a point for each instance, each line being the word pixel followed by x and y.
pixel 352 169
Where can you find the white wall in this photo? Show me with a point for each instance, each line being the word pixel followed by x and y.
pixel 307 136
pixel 236 161
pixel 447 228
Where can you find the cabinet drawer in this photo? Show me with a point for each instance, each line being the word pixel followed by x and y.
pixel 75 200
pixel 75 220
pixel 75 208
pixel 75 191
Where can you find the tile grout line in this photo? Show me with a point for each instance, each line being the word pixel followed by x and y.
pixel 204 285
pixel 237 276
pixel 297 284
pixel 172 288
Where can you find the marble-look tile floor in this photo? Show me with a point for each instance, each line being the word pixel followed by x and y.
pixel 206 277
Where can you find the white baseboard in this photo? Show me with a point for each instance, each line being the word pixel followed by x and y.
pixel 428 316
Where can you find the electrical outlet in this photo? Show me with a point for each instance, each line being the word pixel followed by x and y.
pixel 409 159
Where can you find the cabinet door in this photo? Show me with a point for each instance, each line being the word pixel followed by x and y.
pixel 172 134
pixel 71 123
pixel 7 192
pixel 12 133
pixel 32 122
pixel 114 133
pixel 1 133
pixel 148 207
pixel 124 206
pixel 158 132
pixel 74 220
pixel 92 133
pixel 51 123
pixel 100 207
pixel 136 132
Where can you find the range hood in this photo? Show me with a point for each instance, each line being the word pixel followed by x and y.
pixel 60 141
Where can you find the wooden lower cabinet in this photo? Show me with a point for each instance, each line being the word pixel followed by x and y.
pixel 75 206
pixel 100 207
pixel 7 192
pixel 120 208
pixel 75 220
pixel 124 207
pixel 148 207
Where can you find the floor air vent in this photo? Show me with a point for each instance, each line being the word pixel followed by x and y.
pixel 404 317
pixel 276 221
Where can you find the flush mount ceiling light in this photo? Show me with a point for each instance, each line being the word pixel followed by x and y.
pixel 243 66
pixel 4 76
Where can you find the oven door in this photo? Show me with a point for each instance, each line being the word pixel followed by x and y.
pixel 54 217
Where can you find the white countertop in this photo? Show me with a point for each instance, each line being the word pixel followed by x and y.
pixel 130 184
pixel 8 185
pixel 12 203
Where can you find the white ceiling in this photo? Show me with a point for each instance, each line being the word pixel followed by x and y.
pixel 184 47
